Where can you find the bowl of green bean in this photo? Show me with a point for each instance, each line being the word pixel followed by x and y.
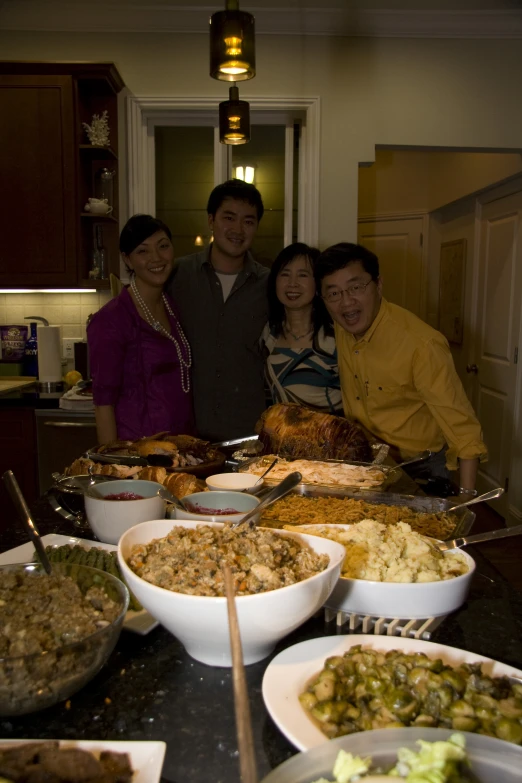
pixel 56 631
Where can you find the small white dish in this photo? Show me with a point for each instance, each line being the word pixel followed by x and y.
pixel 146 757
pixel 110 518
pixel 239 482
pixel 288 674
pixel 217 500
pixel 138 622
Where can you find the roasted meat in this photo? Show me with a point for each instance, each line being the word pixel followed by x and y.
pixel 292 430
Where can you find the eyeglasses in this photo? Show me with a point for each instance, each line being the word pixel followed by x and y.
pixel 357 289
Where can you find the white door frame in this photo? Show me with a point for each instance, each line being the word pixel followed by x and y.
pixel 143 113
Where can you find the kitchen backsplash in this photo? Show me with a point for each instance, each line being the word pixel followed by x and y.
pixel 70 311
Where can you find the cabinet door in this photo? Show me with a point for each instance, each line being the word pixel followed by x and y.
pixel 38 209
pixel 17 453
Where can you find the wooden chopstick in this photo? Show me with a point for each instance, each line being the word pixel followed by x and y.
pixel 245 738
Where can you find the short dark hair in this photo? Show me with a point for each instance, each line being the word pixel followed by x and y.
pixel 235 188
pixel 137 229
pixel 276 310
pixel 338 256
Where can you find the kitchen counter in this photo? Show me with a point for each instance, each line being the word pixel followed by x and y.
pixel 151 689
pixel 30 397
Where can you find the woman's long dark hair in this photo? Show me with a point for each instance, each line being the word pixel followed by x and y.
pixel 276 310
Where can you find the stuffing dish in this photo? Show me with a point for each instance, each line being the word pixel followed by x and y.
pixel 302 510
pixel 366 689
pixel 188 560
pixel 333 474
pixel 389 554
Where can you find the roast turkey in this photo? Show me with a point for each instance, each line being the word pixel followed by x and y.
pixel 292 430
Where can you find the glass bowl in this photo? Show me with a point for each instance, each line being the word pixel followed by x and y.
pixel 32 682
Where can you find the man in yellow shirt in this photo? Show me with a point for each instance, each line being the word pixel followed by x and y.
pixel 397 373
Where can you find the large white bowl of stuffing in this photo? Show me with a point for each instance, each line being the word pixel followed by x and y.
pixel 173 567
pixel 391 571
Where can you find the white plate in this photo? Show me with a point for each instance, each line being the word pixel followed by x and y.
pixel 139 622
pixel 146 757
pixel 289 673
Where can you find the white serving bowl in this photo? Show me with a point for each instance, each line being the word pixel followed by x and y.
pixel 201 623
pixel 234 481
pixel 110 518
pixel 217 500
pixel 413 601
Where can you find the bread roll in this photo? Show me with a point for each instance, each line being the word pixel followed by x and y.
pixel 153 474
pixel 182 484
pixel 80 467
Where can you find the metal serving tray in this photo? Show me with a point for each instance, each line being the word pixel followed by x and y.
pixel 464 517
pixel 391 473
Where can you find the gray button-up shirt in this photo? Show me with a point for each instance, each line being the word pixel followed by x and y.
pixel 228 365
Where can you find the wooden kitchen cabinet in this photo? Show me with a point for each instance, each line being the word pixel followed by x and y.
pixel 17 453
pixel 49 171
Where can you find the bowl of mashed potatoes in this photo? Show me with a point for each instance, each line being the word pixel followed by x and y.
pixel 391 571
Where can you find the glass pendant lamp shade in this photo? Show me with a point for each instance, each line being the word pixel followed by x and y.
pixel 234 119
pixel 232 44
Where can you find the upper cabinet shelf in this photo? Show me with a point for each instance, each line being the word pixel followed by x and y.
pixel 50 171
pixel 99 152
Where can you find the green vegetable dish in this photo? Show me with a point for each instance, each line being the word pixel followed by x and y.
pixel 95 557
pixel 365 689
pixel 435 762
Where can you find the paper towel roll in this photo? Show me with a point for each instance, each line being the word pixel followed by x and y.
pixel 49 354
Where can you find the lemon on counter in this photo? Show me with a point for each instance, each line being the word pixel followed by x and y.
pixel 72 378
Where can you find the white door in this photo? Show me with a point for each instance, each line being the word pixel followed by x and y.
pixel 397 242
pixel 498 326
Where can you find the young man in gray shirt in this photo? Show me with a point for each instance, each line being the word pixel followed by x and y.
pixel 221 297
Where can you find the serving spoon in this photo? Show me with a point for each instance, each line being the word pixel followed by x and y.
pixel 283 488
pixel 458 543
pixel 493 493
pixel 25 515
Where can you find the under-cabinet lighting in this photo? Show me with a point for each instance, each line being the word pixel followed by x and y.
pixel 48 291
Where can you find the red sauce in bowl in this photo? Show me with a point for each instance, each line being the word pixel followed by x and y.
pixel 196 509
pixel 124 496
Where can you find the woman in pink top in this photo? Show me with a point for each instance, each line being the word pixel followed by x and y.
pixel 139 356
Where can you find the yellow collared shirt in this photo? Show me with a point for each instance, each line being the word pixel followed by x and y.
pixel 400 382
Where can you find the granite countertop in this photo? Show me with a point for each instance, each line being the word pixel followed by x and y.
pixel 30 397
pixel 151 689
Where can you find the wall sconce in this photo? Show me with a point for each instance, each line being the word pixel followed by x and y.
pixel 234 119
pixel 232 44
pixel 246 173
pixel 199 241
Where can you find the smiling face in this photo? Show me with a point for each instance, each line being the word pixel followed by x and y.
pixel 295 285
pixel 152 259
pixel 234 227
pixel 355 313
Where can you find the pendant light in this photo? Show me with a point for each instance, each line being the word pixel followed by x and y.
pixel 234 119
pixel 232 44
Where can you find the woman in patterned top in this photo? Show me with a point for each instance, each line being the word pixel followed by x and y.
pixel 301 358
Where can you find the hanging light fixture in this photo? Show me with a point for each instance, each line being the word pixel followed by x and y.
pixel 232 44
pixel 234 119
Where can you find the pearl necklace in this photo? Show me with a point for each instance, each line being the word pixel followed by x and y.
pixel 185 365
pixel 297 336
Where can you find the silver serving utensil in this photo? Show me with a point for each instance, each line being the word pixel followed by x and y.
pixel 25 515
pixel 417 458
pixel 245 736
pixel 167 495
pixel 261 477
pixel 458 543
pixel 286 485
pixel 493 493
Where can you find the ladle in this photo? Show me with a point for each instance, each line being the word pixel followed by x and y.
pixel 25 515
pixel 493 493
pixel 286 485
